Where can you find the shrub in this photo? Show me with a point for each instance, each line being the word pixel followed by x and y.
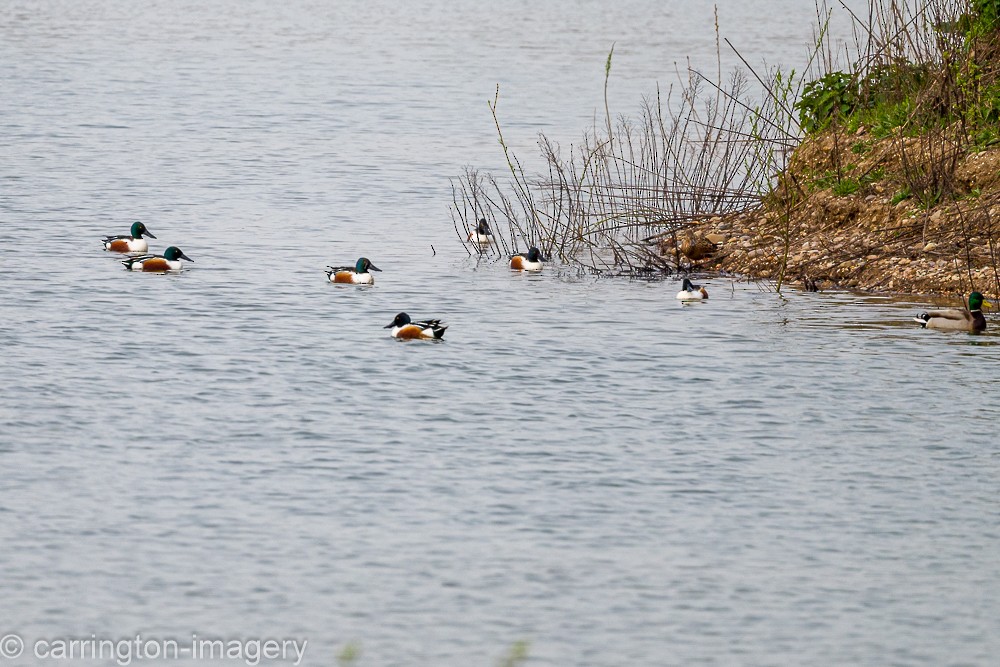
pixel 832 96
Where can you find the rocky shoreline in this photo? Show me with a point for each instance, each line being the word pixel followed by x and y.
pixel 872 239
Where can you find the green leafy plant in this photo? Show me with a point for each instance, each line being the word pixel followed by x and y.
pixel 886 118
pixel 832 96
pixel 986 137
pixel 846 186
pixel 986 17
pixel 900 196
pixel 825 180
pixel 873 176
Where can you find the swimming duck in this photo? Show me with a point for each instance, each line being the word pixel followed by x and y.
pixel 170 260
pixel 691 292
pixel 483 235
pixel 405 328
pixel 357 274
pixel 530 261
pixel 131 242
pixel 957 319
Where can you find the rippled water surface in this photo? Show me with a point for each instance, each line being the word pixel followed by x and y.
pixel 240 450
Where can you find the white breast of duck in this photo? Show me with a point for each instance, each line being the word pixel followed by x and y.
pixel 530 261
pixel 404 328
pixel 126 245
pixel 359 274
pixel 170 260
pixel 350 277
pixel 482 234
pixel 133 242
pixel 691 292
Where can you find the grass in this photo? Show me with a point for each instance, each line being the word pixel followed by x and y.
pixel 846 186
pixel 921 71
pixel 900 196
pixel 844 182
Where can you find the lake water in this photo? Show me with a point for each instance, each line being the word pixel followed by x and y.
pixel 241 451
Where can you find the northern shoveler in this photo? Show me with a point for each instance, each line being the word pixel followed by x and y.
pixel 170 260
pixel 957 319
pixel 530 261
pixel 405 328
pixel 131 242
pixel 691 292
pixel 483 234
pixel 357 274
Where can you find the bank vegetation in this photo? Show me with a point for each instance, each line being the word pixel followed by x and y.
pixel 879 174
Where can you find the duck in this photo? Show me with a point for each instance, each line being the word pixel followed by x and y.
pixel 131 242
pixel 691 292
pixel 697 249
pixel 359 274
pixel 170 260
pixel 483 234
pixel 530 261
pixel 957 319
pixel 406 329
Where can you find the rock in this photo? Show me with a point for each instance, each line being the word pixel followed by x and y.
pixel 930 246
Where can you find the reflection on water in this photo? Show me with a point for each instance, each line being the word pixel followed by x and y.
pixel 585 464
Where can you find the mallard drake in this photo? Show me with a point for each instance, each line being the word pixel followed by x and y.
pixel 359 274
pixel 406 329
pixel 131 242
pixel 957 319
pixel 170 260
pixel 691 292
pixel 530 261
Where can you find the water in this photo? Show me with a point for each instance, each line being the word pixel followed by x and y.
pixel 241 451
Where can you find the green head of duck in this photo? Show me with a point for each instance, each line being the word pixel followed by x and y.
pixel 173 253
pixel 364 266
pixel 139 229
pixel 976 301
